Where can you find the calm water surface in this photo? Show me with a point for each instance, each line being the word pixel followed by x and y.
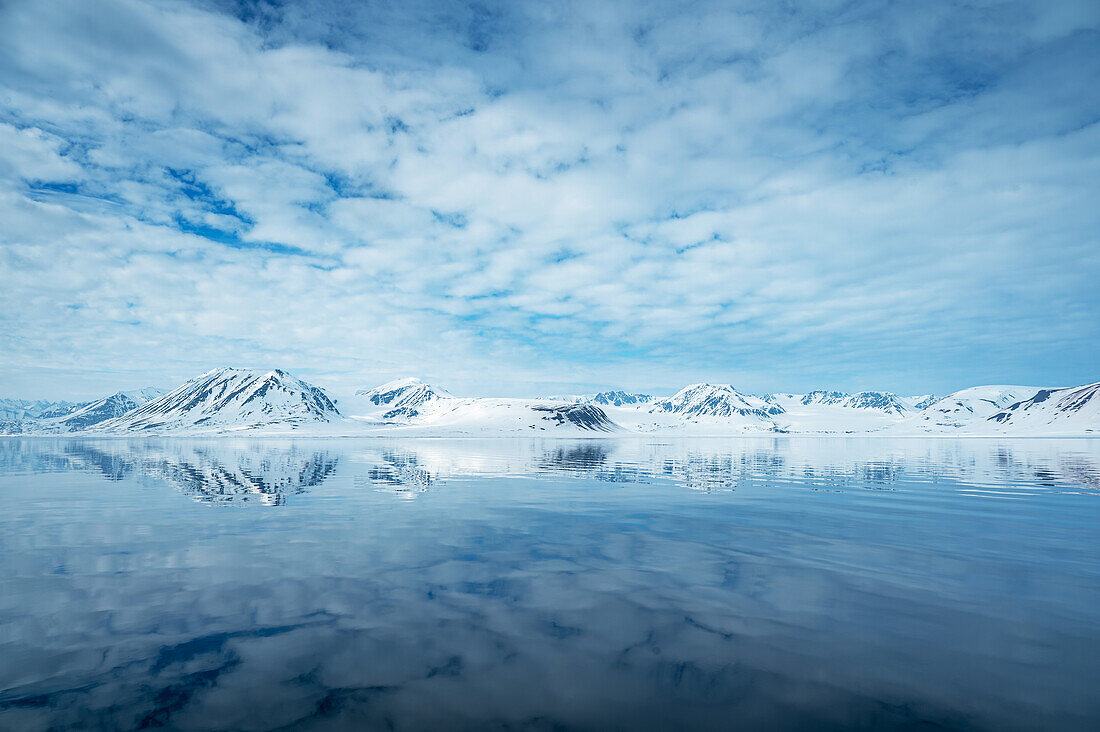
pixel 527 584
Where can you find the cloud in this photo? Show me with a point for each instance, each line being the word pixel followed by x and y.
pixel 518 197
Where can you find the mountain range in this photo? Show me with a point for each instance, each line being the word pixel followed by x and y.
pixel 235 401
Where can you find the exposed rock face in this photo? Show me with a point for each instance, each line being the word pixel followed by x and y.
pixel 584 416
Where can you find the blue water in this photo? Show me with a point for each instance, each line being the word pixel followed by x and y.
pixel 527 584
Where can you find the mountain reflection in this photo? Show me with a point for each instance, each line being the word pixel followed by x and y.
pixel 266 472
pixel 718 584
pixel 259 476
pixel 399 473
pixel 222 474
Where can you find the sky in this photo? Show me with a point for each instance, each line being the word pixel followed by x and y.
pixel 525 198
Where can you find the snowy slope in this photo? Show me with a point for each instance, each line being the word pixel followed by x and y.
pixel 46 417
pixel 23 416
pixel 225 399
pixel 1072 410
pixel 920 401
pixel 968 407
pixel 103 409
pixel 486 416
pixel 98 411
pixel 699 409
pixel 414 407
pixel 832 413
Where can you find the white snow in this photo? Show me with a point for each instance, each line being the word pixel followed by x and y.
pixel 240 401
pixel 967 407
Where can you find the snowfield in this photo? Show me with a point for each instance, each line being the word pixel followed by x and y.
pixel 242 401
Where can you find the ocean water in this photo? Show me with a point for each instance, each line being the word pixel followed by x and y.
pixel 793 583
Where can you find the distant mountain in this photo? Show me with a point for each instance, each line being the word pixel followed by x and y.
pixel 21 409
pixel 969 406
pixel 1071 409
pixel 60 409
pixel 54 417
pixel 402 398
pixel 620 399
pixel 920 402
pixel 880 400
pixel 823 397
pixel 103 409
pixel 716 400
pixel 229 399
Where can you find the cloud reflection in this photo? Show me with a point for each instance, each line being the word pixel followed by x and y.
pixel 548 584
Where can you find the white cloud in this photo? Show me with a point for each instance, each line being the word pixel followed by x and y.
pixel 852 195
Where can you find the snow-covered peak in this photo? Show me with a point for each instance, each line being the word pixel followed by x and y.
pixel 881 400
pixel 620 398
pixel 824 397
pixel 98 411
pixel 716 400
pixel 402 398
pixel 398 390
pixel 393 386
pixel 230 398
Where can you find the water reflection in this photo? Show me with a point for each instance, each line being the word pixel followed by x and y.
pixel 265 472
pixel 632 584
pixel 229 473
pixel 399 474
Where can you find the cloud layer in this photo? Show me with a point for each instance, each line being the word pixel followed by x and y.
pixel 531 197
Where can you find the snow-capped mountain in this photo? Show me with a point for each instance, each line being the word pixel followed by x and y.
pixel 970 406
pixel 275 402
pixel 881 400
pixel 419 407
pixel 1074 409
pixel 55 417
pixel 225 399
pixel 716 400
pixel 823 397
pixel 838 412
pixel 18 410
pixel 619 398
pixel 103 409
pixel 402 398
